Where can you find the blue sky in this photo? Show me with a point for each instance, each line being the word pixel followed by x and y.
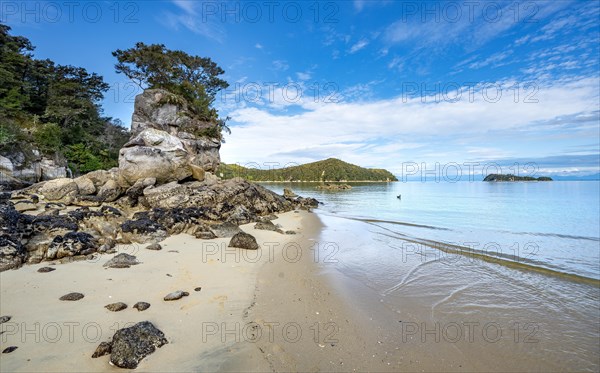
pixel 376 83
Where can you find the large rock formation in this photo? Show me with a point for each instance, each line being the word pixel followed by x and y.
pixel 163 186
pixel 168 143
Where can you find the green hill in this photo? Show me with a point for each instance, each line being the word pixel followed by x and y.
pixel 510 177
pixel 328 170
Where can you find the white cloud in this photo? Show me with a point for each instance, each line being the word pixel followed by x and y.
pixel 304 75
pixel 258 46
pixel 359 45
pixel 495 60
pixel 407 128
pixel 190 20
pixel 280 65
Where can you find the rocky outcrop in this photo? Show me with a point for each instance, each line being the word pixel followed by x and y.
pixel 168 142
pixel 22 167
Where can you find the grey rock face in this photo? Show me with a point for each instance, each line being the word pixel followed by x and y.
pixel 168 143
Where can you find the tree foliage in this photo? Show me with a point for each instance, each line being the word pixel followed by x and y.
pixel 51 107
pixel 327 170
pixel 196 79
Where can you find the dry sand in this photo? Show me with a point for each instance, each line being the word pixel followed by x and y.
pixel 207 331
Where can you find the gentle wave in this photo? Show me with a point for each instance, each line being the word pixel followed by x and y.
pixel 497 258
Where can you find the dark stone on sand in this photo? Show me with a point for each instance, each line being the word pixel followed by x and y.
pixel 154 246
pixel 243 240
pixel 72 296
pixel 131 345
pixel 290 232
pixel 141 306
pixel 176 295
pixel 267 226
pixel 4 319
pixel 122 261
pixel 103 348
pixel 46 269
pixel 10 349
pixel 198 288
pixel 116 307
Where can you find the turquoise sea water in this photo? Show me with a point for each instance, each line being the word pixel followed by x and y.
pixel 551 225
pixel 518 262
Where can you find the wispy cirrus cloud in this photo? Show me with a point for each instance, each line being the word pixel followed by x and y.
pixel 186 16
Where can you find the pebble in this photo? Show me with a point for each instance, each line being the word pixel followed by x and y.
pixel 116 307
pixel 72 296
pixel 141 306
pixel 154 246
pixel 8 350
pixel 46 269
pixel 176 295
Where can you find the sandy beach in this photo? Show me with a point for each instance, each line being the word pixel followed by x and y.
pixel 205 330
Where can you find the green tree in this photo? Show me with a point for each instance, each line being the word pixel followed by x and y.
pixel 194 78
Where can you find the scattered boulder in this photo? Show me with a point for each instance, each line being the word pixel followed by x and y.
pixel 46 269
pixel 122 260
pixel 103 348
pixel 141 306
pixel 72 297
pixel 154 246
pixel 176 295
pixel 130 345
pixel 290 232
pixel 243 240
pixel 116 307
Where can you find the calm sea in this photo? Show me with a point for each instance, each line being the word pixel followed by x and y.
pixel 550 225
pixel 469 276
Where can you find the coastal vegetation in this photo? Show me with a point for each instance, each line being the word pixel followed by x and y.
pixel 54 109
pixel 331 169
pixel 511 177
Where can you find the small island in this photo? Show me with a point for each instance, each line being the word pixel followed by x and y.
pixel 329 186
pixel 328 170
pixel 511 178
